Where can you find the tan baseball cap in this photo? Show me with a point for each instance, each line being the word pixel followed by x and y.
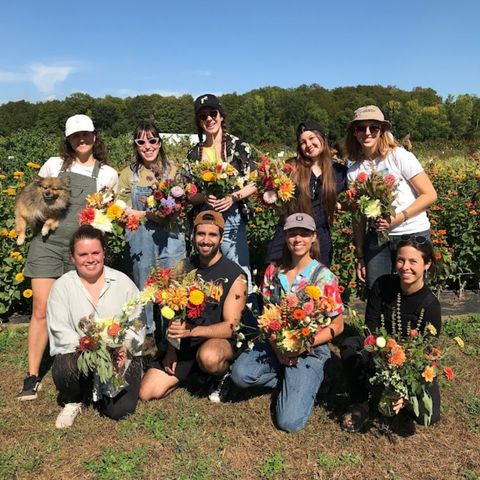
pixel 300 220
pixel 210 217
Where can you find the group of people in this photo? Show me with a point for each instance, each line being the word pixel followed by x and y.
pixel 70 281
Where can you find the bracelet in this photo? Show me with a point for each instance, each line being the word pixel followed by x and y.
pixel 405 215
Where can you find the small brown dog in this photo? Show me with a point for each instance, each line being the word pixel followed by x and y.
pixel 42 200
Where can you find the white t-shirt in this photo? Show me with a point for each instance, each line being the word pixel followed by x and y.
pixel 107 176
pixel 403 166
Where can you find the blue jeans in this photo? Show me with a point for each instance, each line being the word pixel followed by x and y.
pixel 380 259
pixel 150 246
pixel 260 367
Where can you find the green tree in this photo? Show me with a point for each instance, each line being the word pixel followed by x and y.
pixel 459 113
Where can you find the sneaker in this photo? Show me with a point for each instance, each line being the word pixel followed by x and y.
pixel 68 415
pixel 31 386
pixel 220 389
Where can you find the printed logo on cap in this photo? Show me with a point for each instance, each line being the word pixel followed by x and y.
pixel 204 99
pixel 299 218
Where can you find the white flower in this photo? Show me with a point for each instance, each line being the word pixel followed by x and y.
pixel 374 209
pixel 241 336
pixel 270 197
pixel 102 222
pixel 239 345
pixel 146 296
pixel 250 345
pixel 121 204
pixel 381 342
pixel 129 307
pixel 249 305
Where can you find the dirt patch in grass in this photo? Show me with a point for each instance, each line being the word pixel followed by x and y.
pixel 187 437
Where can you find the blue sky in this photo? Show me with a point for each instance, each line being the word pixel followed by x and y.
pixel 52 48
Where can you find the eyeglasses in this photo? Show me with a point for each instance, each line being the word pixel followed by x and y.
pixel 374 129
pixel 140 142
pixel 417 239
pixel 203 116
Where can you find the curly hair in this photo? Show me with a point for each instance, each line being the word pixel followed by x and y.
pixel 67 153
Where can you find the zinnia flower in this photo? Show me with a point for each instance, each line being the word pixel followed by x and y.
pixel 274 326
pixel 362 177
pixel 13 233
pixel 33 165
pixel 86 343
pixel 313 292
pixel 308 307
pixel 196 297
pixel 177 191
pixel 113 329
pixel 19 277
pixel 389 180
pixel 27 293
pixel 306 332
pixel 114 211
pixel 448 372
pixel 298 314
pixel 370 341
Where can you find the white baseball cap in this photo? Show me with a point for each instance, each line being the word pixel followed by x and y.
pixel 78 123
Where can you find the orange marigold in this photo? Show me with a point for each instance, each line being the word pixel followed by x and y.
pixel 298 314
pixel 305 332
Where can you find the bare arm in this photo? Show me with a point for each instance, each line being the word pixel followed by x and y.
pixel 329 333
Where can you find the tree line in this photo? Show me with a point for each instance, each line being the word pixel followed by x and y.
pixel 261 116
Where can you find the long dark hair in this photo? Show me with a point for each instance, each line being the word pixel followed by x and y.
pixel 200 132
pixel 301 177
pixel 67 153
pixel 145 128
pixel 285 263
pixel 87 232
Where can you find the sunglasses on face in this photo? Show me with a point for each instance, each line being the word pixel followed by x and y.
pixel 374 129
pixel 203 116
pixel 418 239
pixel 140 142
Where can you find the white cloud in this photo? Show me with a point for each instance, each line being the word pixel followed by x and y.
pixel 45 77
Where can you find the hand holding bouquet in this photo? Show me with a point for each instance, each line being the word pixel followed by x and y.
pixel 374 197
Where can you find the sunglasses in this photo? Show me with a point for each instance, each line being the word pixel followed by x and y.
pixel 374 129
pixel 203 116
pixel 140 142
pixel 417 239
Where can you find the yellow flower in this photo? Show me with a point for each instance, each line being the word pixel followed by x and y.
pixel 151 202
pixel 14 254
pixel 20 257
pixel 167 312
pixel 313 292
pixel 102 222
pixel 13 233
pixel 162 185
pixel 373 209
pixel 20 185
pixel 231 170
pixel 208 176
pixel 27 293
pixel 432 329
pixel 286 190
pixel 253 175
pixel 33 165
pixel 270 313
pixel 114 211
pixel 4 233
pixel 175 298
pixel 460 342
pixel 18 174
pixel 196 297
pixel 2 177
pixel 19 277
pixel 9 191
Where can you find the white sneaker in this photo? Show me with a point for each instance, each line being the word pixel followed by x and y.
pixel 220 389
pixel 68 415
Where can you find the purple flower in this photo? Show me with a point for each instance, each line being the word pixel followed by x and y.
pixel 169 202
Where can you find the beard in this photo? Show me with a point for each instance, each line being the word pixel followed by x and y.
pixel 210 254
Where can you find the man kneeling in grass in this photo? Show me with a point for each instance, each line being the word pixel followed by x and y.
pixel 207 342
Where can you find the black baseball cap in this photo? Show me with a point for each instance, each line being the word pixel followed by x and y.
pixel 207 100
pixel 309 125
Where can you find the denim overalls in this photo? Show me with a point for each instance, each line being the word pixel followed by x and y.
pixel 150 246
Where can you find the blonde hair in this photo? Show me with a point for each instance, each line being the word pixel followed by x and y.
pixel 353 149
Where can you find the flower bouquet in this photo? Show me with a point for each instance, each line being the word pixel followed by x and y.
pixel 405 365
pixel 293 324
pixel 374 197
pixel 218 180
pixel 169 198
pixel 182 296
pixel 104 210
pixel 101 346
pixel 274 186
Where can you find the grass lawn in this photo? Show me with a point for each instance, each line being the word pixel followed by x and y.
pixel 187 437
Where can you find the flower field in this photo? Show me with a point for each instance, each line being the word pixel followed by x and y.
pixel 455 219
